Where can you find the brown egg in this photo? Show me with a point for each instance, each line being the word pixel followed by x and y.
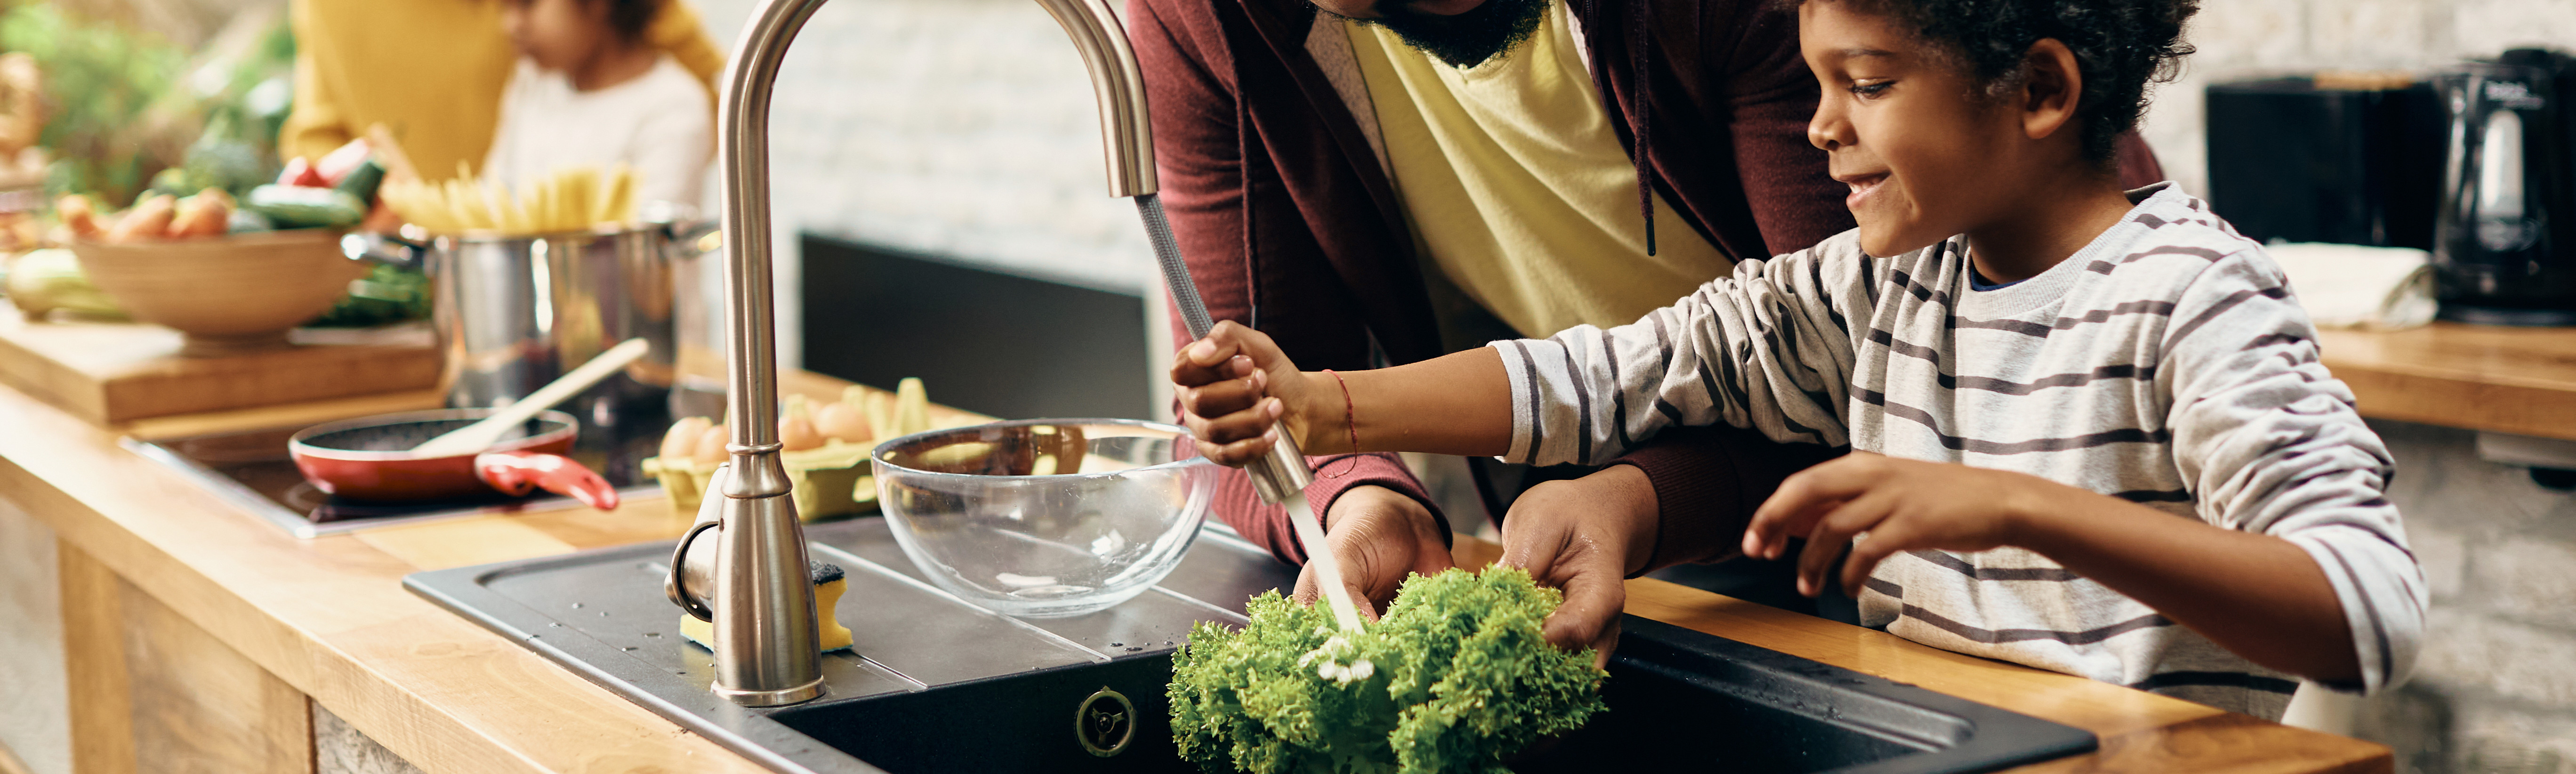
pixel 683 437
pixel 843 421
pixel 796 430
pixel 711 445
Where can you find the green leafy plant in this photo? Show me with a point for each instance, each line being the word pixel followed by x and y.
pixel 114 112
pixel 1456 677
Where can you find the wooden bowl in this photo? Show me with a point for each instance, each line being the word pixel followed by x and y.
pixel 227 294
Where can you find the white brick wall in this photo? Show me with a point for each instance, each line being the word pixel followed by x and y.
pixel 966 127
pixel 2242 38
pixel 962 128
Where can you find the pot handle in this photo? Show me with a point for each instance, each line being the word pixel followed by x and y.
pixel 682 226
pixel 385 249
pixel 517 472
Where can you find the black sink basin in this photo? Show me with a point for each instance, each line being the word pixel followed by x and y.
pixel 1679 700
pixel 940 686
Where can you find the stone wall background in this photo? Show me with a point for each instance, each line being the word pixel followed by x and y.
pixel 2495 687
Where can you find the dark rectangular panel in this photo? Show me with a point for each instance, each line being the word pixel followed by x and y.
pixel 1000 344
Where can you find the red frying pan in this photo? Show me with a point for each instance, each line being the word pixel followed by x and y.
pixel 370 458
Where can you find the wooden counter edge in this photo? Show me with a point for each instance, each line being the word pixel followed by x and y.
pixel 2508 380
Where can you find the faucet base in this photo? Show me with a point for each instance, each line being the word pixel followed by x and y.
pixel 779 698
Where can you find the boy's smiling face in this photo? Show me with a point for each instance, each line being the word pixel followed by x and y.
pixel 1908 129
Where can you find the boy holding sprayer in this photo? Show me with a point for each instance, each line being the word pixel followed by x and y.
pixel 2090 433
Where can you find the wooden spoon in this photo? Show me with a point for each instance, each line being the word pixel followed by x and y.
pixel 481 435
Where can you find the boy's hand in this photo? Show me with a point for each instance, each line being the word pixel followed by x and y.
pixel 1234 386
pixel 1585 536
pixel 1902 505
pixel 1379 535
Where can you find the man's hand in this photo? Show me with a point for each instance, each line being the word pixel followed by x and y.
pixel 1379 535
pixel 1901 505
pixel 1585 536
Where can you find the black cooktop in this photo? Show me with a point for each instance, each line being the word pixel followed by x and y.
pixel 252 469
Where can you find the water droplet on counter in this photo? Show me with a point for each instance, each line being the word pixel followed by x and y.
pixel 576 606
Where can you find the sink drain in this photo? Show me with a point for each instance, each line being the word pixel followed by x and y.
pixel 1105 723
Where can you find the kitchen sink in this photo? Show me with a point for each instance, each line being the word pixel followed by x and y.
pixel 937 685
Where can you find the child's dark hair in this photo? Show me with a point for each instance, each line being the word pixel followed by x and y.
pixel 2119 46
pixel 629 18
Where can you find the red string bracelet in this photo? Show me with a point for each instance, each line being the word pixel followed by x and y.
pixel 1350 421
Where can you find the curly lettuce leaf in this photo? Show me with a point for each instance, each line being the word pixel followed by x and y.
pixel 1455 677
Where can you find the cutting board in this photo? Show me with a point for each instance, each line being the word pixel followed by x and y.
pixel 113 373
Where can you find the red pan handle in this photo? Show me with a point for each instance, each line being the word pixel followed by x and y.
pixel 517 472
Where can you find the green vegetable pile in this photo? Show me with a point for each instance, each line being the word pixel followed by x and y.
pixel 1455 677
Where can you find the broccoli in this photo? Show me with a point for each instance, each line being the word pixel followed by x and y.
pixel 1455 677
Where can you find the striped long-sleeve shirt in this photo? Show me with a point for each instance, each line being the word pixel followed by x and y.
pixel 2167 364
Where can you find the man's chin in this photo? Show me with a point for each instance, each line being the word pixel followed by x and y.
pixel 1464 39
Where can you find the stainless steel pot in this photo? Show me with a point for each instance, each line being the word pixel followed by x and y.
pixel 513 313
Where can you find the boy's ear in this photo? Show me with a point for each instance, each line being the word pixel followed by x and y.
pixel 2052 87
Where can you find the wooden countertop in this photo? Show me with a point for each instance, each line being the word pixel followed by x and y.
pixel 2510 380
pixel 329 617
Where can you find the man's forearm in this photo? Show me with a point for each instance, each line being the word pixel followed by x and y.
pixel 1706 482
pixel 2258 595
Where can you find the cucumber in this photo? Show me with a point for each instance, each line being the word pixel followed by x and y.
pixel 363 181
pixel 299 207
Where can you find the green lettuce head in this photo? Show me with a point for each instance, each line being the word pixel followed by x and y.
pixel 1456 677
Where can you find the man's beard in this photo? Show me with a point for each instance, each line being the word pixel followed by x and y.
pixel 1467 39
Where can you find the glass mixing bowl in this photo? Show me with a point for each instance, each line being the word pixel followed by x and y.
pixel 996 514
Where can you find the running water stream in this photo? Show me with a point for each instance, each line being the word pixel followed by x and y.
pixel 1328 570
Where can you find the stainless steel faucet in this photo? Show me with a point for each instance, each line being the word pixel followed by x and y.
pixel 762 604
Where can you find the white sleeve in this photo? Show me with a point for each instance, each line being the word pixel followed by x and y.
pixel 2269 443
pixel 672 148
pixel 500 163
pixel 1768 348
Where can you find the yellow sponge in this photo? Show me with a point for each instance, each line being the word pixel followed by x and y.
pixel 829 634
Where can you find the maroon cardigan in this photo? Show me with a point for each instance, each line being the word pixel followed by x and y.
pixel 1291 226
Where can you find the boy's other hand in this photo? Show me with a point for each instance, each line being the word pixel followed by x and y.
pixel 1380 536
pixel 1234 386
pixel 1585 536
pixel 1892 505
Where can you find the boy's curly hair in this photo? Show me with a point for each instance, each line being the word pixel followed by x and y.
pixel 2120 46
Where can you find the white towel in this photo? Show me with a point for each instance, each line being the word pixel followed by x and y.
pixel 2351 286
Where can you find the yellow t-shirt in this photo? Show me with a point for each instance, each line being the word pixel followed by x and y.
pixel 431 71
pixel 1517 188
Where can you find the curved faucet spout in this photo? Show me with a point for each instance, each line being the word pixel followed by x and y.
pixel 1126 134
pixel 763 604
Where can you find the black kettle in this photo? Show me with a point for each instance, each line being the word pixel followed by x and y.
pixel 2504 240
